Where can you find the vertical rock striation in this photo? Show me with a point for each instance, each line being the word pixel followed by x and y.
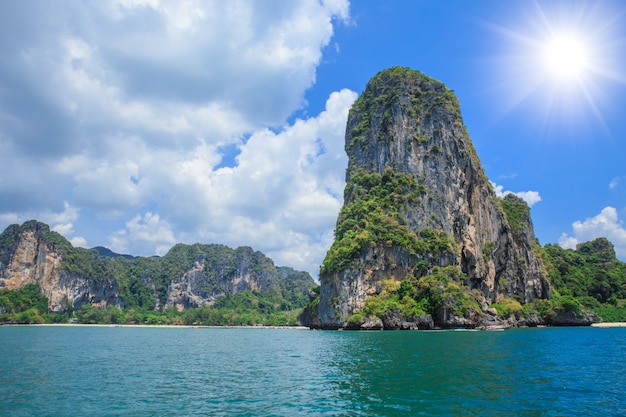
pixel 188 276
pixel 218 270
pixel 417 197
pixel 31 253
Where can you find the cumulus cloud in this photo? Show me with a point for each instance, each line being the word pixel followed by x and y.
pixel 119 111
pixel 144 230
pixel 606 224
pixel 530 197
pixel 61 221
pixel 282 197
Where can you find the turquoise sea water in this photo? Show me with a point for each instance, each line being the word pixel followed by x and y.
pixel 109 371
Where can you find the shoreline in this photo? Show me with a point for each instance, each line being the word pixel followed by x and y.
pixel 606 325
pixel 157 326
pixel 187 326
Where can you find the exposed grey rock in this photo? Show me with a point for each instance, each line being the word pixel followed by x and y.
pixel 233 271
pixel 572 318
pixel 411 123
pixel 425 322
pixel 532 320
pixel 372 323
pixel 189 275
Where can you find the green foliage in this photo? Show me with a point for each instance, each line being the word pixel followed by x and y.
pixel 442 288
pixel 591 274
pixel 611 314
pixel 294 287
pixel 141 280
pixel 508 307
pixel 313 304
pixel 26 305
pixel 396 87
pixel 517 212
pixel 245 308
pixel 88 314
pixel 372 215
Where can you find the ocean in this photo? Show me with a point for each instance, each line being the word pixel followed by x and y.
pixel 130 371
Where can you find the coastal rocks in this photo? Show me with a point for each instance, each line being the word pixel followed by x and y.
pixel 391 321
pixel 371 323
pixel 406 131
pixel 573 318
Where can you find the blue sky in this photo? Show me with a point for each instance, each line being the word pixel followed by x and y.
pixel 137 124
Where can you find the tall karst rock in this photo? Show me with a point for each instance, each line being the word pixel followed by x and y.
pixel 417 200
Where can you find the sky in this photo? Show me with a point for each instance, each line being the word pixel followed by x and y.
pixel 139 124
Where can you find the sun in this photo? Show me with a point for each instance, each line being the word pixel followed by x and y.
pixel 559 60
pixel 566 57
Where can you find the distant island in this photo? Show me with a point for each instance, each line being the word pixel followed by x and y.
pixel 421 242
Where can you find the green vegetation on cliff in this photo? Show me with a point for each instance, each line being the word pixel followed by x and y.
pixel 516 210
pixel 246 308
pixel 372 215
pixel 382 93
pixel 26 305
pixel 244 285
pixel 590 277
pixel 430 294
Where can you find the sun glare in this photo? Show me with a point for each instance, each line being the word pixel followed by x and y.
pixel 566 57
pixel 559 59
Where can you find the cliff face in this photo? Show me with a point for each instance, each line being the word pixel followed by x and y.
pixel 218 270
pixel 187 276
pixel 411 159
pixel 32 254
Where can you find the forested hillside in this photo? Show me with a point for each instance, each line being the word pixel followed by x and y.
pixel 44 278
pixel 589 277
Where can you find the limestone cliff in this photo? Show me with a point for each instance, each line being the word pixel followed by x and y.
pixel 187 276
pixel 217 270
pixel 31 253
pixel 417 198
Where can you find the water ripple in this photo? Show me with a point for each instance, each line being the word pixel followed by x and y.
pixel 250 372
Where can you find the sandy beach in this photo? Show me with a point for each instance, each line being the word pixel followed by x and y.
pixel 617 324
pixel 160 326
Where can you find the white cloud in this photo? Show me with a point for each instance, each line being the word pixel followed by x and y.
pixel 78 241
pixel 605 224
pixel 282 197
pixel 59 221
pixel 530 197
pixel 120 109
pixel 141 232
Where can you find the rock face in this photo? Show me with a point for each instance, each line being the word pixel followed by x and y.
pixel 32 254
pixel 572 318
pixel 406 128
pixel 218 270
pixel 187 276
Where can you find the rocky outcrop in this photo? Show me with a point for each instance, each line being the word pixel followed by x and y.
pixel 217 271
pixel 406 128
pixel 187 276
pixel 575 318
pixel 31 253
